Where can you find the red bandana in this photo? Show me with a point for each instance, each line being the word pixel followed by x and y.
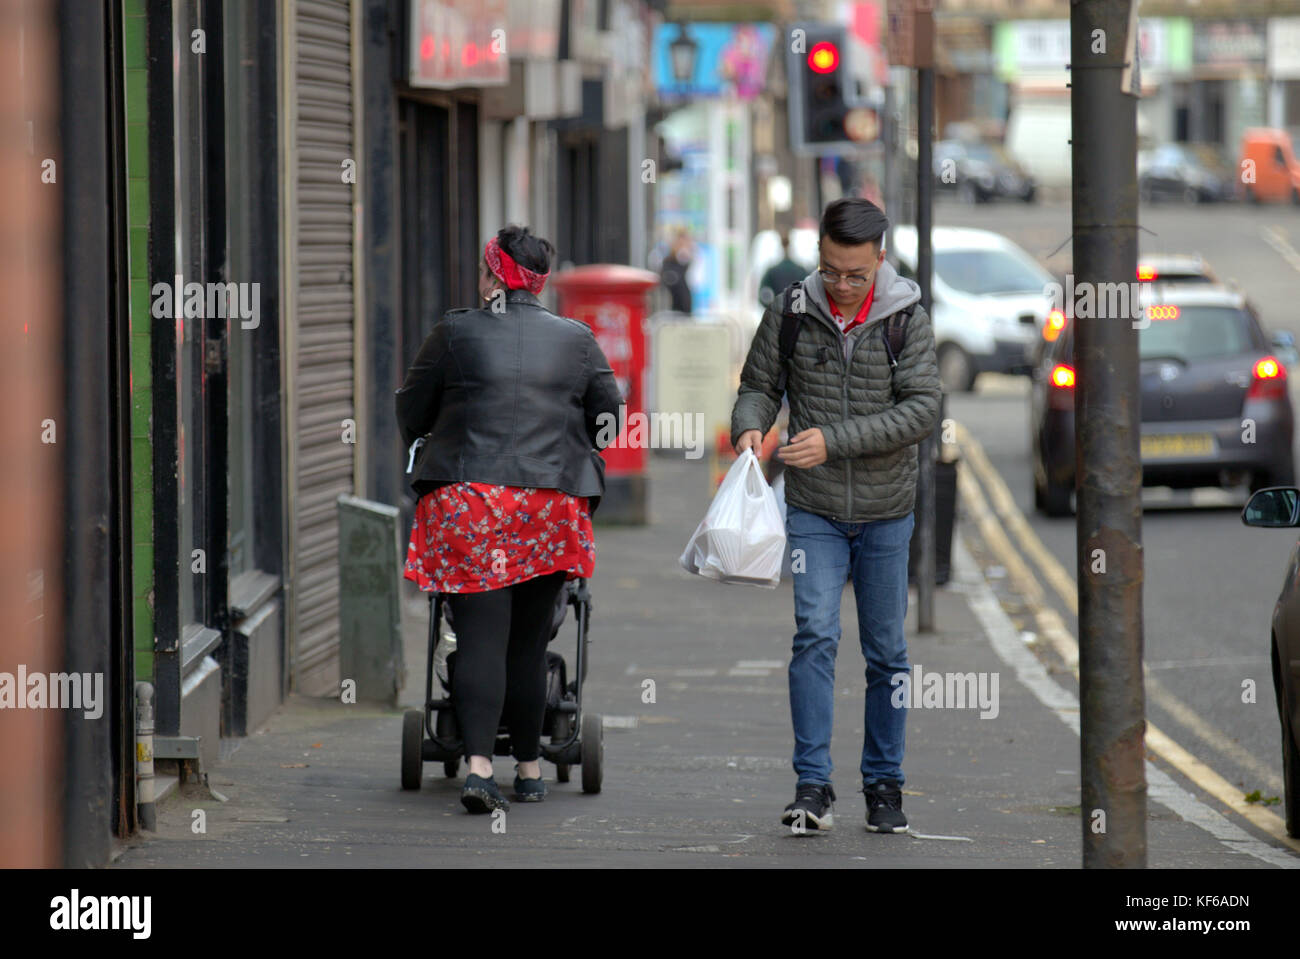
pixel 514 276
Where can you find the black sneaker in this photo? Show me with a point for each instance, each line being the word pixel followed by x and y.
pixel 885 807
pixel 482 795
pixel 811 809
pixel 529 790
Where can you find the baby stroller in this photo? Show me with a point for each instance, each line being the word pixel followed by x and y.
pixel 576 737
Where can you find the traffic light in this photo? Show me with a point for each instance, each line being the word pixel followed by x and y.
pixel 816 72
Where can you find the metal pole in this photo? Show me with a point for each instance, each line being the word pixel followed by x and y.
pixel 889 136
pixel 924 268
pixel 817 187
pixel 1108 414
pixel 144 770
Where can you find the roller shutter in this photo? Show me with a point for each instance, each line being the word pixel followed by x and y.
pixel 323 354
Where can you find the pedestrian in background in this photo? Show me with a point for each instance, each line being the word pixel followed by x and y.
pixel 782 274
pixel 673 272
pixel 509 399
pixel 850 490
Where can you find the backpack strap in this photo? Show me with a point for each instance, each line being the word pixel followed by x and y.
pixel 791 321
pixel 895 333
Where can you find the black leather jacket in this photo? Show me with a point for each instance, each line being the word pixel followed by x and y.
pixel 509 398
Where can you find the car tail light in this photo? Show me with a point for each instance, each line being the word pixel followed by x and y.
pixel 1054 325
pixel 1147 272
pixel 1060 394
pixel 1162 311
pixel 1268 381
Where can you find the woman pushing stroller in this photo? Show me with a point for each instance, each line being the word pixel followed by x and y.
pixel 510 399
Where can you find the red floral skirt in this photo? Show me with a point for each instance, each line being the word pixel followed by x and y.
pixel 473 537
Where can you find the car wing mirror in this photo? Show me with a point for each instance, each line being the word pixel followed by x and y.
pixel 1284 339
pixel 1275 507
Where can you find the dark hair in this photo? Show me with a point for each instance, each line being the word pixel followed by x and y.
pixel 852 221
pixel 529 251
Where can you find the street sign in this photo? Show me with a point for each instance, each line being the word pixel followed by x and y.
pixel 910 37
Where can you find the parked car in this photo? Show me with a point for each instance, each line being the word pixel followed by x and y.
pixel 1267 154
pixel 1174 268
pixel 1164 268
pixel 1173 171
pixel 990 299
pixel 1190 268
pixel 1280 508
pixel 1206 366
pixel 979 172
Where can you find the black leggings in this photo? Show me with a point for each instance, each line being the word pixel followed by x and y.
pixel 500 676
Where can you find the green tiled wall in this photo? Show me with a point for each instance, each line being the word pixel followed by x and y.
pixel 137 167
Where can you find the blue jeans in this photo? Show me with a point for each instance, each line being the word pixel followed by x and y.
pixel 874 557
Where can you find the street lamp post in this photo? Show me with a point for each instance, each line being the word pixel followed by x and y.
pixel 682 52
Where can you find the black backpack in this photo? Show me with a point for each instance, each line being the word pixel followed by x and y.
pixel 893 331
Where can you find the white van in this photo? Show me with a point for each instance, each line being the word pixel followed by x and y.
pixel 1038 136
pixel 990 300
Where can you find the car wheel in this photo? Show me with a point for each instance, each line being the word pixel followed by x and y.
pixel 1291 779
pixel 956 369
pixel 970 193
pixel 1190 196
pixel 1029 195
pixel 1290 756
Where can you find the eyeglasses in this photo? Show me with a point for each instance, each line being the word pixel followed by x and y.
pixel 830 278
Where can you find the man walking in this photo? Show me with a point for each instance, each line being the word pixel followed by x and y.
pixel 862 395
pixel 780 275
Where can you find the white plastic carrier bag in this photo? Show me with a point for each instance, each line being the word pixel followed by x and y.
pixel 742 536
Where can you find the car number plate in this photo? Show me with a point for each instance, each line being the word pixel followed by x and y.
pixel 1174 445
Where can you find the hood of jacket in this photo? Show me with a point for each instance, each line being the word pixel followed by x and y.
pixel 892 293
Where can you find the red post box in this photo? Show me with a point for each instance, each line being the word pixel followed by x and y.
pixel 611 299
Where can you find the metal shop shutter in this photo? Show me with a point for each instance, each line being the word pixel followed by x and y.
pixel 323 379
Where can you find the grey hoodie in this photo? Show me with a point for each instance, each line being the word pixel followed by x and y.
pixel 871 417
pixel 892 293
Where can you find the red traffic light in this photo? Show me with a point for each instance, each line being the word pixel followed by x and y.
pixel 824 57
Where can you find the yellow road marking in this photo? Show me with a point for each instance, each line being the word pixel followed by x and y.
pixel 1049 622
pixel 1004 505
pixel 1063 641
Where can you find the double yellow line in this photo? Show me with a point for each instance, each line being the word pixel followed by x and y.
pixel 995 517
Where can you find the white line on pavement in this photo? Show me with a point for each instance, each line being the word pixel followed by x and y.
pixel 1209 661
pixel 1276 238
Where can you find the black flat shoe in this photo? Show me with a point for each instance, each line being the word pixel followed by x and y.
pixel 529 790
pixel 482 795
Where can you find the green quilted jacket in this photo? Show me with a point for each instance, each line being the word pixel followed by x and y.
pixel 871 420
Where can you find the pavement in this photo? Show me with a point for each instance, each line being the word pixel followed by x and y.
pixel 699 776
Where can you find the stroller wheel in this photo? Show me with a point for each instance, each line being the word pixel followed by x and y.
pixel 412 748
pixel 593 751
pixel 450 768
pixel 561 772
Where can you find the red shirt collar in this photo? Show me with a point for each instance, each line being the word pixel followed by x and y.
pixel 862 312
